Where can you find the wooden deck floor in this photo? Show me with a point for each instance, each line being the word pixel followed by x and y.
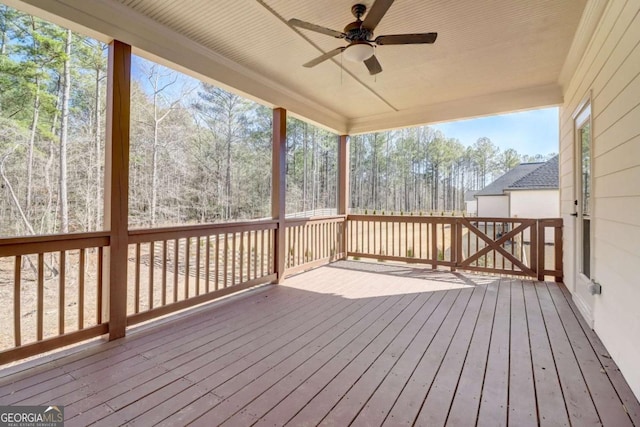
pixel 350 344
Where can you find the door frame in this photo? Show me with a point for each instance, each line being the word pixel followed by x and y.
pixel 582 296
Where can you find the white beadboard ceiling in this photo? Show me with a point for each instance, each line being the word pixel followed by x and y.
pixel 490 56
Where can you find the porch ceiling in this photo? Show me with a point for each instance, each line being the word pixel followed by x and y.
pixel 490 57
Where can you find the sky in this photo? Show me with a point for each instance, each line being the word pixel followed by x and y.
pixel 529 132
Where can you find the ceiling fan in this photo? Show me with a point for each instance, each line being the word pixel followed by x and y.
pixel 359 34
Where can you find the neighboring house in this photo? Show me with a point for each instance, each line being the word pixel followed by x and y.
pixel 537 194
pixel 470 203
pixel 496 200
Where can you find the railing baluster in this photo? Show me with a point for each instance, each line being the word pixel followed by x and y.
pixel 255 254
pixel 494 239
pixel 270 249
pixel 233 259
pixel 164 272
pixel 226 261
pixel 207 264
pixel 419 240
pixel 297 251
pixel 262 252
pixel 176 256
pixel 17 285
pixel 444 251
pixel 80 288
pixel 217 262
pixel 513 244
pixel 406 238
pixel 61 290
pixel 187 261
pixel 381 239
pixel 413 240
pixel 137 281
pixel 197 272
pixel 533 248
pixel 325 238
pixel 248 259
pixel 386 237
pixel 352 229
pixel 316 235
pixel 393 237
pixel 289 248
pixel 458 225
pixel 307 243
pixel 434 244
pixel 40 297
pixel 322 232
pixel 151 271
pixel 100 281
pixel 241 263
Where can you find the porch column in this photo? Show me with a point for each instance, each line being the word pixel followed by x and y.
pixel 116 187
pixel 343 186
pixel 278 188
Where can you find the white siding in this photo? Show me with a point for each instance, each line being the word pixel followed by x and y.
pixel 493 206
pixel 471 207
pixel 610 72
pixel 535 204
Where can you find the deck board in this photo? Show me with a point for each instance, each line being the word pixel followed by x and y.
pixel 522 397
pixel 349 344
pixel 495 391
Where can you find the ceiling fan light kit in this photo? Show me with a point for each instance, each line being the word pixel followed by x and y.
pixel 359 34
pixel 358 52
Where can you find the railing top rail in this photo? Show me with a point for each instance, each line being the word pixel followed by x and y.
pixel 11 241
pixel 165 233
pixel 52 243
pixel 291 222
pixel 450 219
pixel 404 218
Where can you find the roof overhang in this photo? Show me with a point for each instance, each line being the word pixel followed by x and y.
pixel 488 59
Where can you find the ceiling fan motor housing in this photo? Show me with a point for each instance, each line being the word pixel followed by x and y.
pixel 355 32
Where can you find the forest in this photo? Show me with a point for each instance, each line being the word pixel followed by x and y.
pixel 198 154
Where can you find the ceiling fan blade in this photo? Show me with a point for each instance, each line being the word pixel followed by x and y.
pixel 318 29
pixel 323 57
pixel 407 39
pixel 376 13
pixel 373 65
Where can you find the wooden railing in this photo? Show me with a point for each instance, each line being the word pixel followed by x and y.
pixel 313 242
pixel 56 284
pixel 511 246
pixel 60 295
pixel 175 268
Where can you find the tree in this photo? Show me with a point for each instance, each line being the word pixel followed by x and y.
pixel 64 135
pixel 508 160
pixel 484 154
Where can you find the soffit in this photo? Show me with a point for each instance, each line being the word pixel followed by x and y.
pixel 490 56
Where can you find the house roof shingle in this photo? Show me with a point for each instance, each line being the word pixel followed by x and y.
pixel 546 176
pixel 525 176
pixel 497 187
